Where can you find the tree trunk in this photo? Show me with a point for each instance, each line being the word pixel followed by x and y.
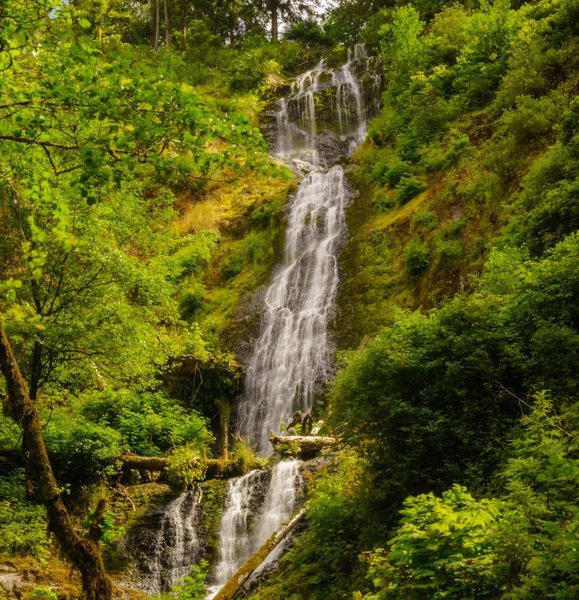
pixel 217 468
pixel 224 420
pixel 274 4
pixel 156 17
pixel 249 567
pixel 84 554
pixel 305 446
pixel 167 28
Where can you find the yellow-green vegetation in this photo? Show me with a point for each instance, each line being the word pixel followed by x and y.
pixel 140 216
pixel 241 225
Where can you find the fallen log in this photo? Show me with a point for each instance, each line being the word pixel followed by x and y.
pixel 248 568
pixel 304 446
pixel 217 468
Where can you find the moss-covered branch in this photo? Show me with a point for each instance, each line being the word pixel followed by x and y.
pixel 83 553
pixel 249 567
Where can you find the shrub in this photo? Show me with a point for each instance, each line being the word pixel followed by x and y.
pixel 196 255
pixel 42 593
pixel 397 172
pixel 443 548
pixel 416 257
pixel 185 466
pixel 150 423
pixel 407 189
pixel 85 452
pixel 23 526
pixel 192 301
pixel 426 219
pixel 449 248
pixel 193 586
pixel 532 120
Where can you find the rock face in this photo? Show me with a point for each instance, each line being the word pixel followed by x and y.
pixel 11 582
pixel 329 93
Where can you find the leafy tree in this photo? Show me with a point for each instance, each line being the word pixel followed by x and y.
pixel 442 548
pixel 82 134
pixel 522 545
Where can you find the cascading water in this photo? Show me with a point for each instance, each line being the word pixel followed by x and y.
pixel 168 556
pixel 243 529
pixel 292 357
pixel 234 536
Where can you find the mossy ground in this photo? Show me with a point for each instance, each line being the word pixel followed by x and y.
pixel 248 215
pixel 451 223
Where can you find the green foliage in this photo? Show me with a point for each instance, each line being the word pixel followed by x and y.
pixel 22 522
pixel 408 188
pixel 149 423
pixel 196 252
pixel 42 593
pixel 110 531
pixel 85 452
pixel 442 549
pixel 522 545
pixel 193 586
pixel 416 257
pixel 420 395
pixel 185 466
pixel 245 456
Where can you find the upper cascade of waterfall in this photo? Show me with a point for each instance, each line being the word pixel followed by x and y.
pixel 324 116
pixel 318 123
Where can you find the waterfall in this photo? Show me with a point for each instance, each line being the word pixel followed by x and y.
pixel 292 357
pixel 234 537
pixel 168 556
pixel 241 533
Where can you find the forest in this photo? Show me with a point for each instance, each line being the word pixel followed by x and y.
pixel 145 210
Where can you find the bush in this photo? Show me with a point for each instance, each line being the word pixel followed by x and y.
pixel 193 586
pixel 84 452
pixel 449 248
pixel 192 301
pixel 23 525
pixel 407 189
pixel 196 255
pixel 42 593
pixel 443 548
pixel 426 219
pixel 416 257
pixel 149 423
pixel 532 120
pixel 185 466
pixel 396 173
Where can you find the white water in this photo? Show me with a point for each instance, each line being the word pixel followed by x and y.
pixel 240 536
pixel 234 535
pixel 176 544
pixel 292 357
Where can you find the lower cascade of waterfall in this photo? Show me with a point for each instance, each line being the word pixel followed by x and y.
pixel 166 547
pixel 243 529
